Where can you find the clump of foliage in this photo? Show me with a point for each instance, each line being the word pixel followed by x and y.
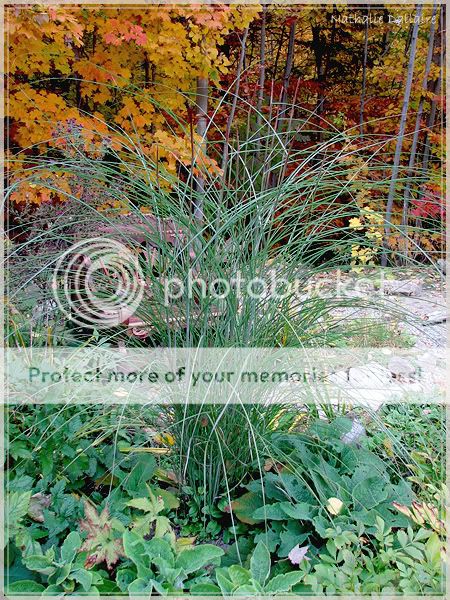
pixel 404 561
pixel 319 515
pixel 317 481
pixel 76 78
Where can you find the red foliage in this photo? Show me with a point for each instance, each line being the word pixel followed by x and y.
pixel 430 205
pixel 124 31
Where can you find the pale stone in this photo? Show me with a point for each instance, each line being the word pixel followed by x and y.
pixel 402 288
pixel 401 368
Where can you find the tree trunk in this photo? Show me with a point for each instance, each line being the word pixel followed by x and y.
pixel 234 103
pixel 275 175
pixel 262 70
pixel 412 156
pixel 288 68
pixel 277 57
pixel 401 133
pixel 317 44
pixel 324 79
pixel 436 88
pixel 363 83
pixel 386 34
pixel 430 125
pixel 202 124
pixel 230 119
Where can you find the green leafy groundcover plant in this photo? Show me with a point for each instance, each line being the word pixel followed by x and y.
pixel 319 516
pixel 321 481
pixel 417 430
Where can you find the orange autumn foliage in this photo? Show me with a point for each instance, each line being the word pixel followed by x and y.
pixel 109 73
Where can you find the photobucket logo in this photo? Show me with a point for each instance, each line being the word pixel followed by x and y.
pixel 259 288
pixel 98 282
pixel 272 286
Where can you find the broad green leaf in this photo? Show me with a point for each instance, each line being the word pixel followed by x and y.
pixel 20 483
pixel 167 574
pixel 141 525
pixel 117 525
pixel 289 539
pixel 124 577
pixel 108 588
pixel 162 526
pixel 192 559
pixel 260 563
pixel 152 504
pixel 321 524
pixel 16 508
pixel 245 506
pixel 331 474
pixel 171 502
pixel 70 547
pixel 370 492
pixel 402 538
pixel 25 587
pixel 29 546
pixel 283 583
pixel 245 590
pixel 205 589
pixel 135 550
pixel 160 587
pixel 358 459
pixel 339 427
pixel 142 471
pixel 140 586
pixel 133 545
pixel 54 591
pixel 237 552
pixel 392 519
pixel 279 486
pixel 239 575
pixel 160 548
pixel 83 577
pixel 19 450
pixel 274 512
pixel 324 487
pixel 225 584
pixel 144 504
pixel 414 552
pixel 41 564
pixel 61 574
pixel 301 511
pixel 270 537
pixel 433 549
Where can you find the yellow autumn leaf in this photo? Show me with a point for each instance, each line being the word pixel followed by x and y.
pixel 355 223
pixel 164 439
pixel 146 450
pixel 388 447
